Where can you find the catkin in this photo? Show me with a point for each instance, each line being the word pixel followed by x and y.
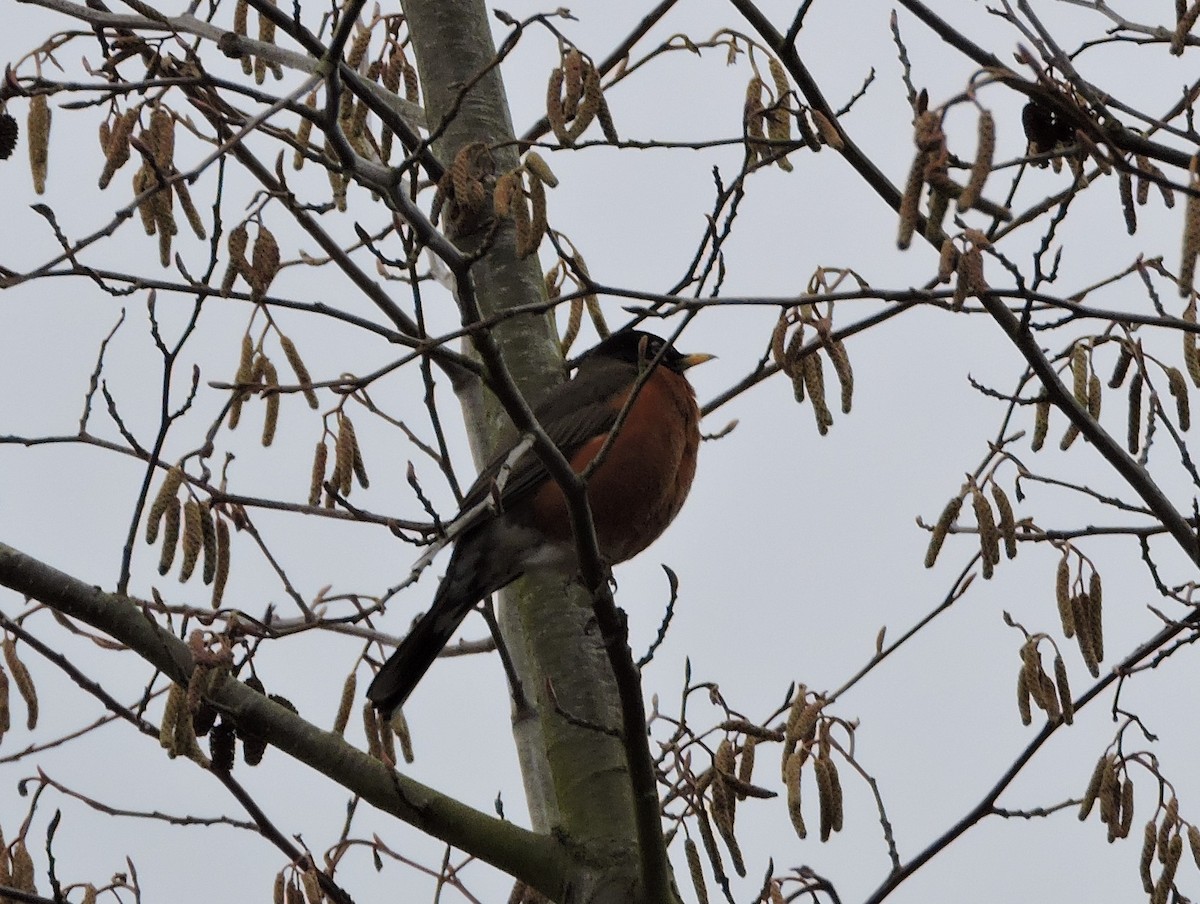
pixel 1107 797
pixel 161 137
pixel 537 219
pixel 313 892
pixel 604 116
pixel 813 373
pixel 266 34
pixel 1079 373
pixel 399 726
pixel 723 763
pixel 555 113
pixel 343 460
pixel 1133 435
pixel 1149 841
pixel 573 69
pixel 221 578
pixel 518 208
pixel 947 261
pixel 1023 707
pixel 193 539
pixel 968 263
pixel 1191 355
pixel 358 48
pixel 825 794
pixel 1125 185
pixel 271 394
pixel 1191 231
pixel 24 682
pixel 724 801
pixel 264 264
pixel 910 201
pixel 791 734
pixel 1064 690
pixel 982 167
pixel 939 203
pixel 348 447
pixel 828 131
pixel 723 818
pixel 537 166
pixel 1095 609
pixel 1174 853
pixel 238 265
pixel 1170 817
pixel 209 536
pixel 752 119
pixel 1062 594
pixel 349 688
pixel 244 375
pixel 116 151
pixel 779 120
pixel 710 845
pixel 1126 808
pixel 1178 388
pixel 1083 633
pixel 1041 422
pixel 190 213
pixel 142 180
pixel 941 529
pixel 845 373
pixel 791 773
pixel 304 133
pixel 22 867
pixel 989 537
pixel 590 104
pixel 692 853
pixel 1069 436
pixel 745 774
pixel 171 714
pixel 1193 835
pixel 303 377
pixel 170 541
pixel 317 480
pixel 1121 369
pixel 39 140
pixel 1007 523
pixel 166 493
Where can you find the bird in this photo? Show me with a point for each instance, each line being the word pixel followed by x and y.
pixel 635 491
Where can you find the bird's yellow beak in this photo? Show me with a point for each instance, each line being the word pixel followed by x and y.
pixel 689 361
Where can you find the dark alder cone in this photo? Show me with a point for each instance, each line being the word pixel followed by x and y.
pixel 221 747
pixel 1040 128
pixel 253 747
pixel 203 719
pixel 9 129
pixel 284 702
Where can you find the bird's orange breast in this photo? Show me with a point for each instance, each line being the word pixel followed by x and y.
pixel 641 483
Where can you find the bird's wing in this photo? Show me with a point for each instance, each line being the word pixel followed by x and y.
pixel 571 415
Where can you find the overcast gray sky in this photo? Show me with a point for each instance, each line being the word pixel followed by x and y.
pixel 792 552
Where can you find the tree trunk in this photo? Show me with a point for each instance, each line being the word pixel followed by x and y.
pixel 576 777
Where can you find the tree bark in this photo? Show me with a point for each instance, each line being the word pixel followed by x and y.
pixel 576 777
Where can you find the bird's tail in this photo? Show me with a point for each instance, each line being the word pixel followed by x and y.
pixel 456 596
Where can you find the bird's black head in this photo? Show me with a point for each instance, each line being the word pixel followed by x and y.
pixel 639 347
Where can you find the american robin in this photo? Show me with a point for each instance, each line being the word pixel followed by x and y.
pixel 635 491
